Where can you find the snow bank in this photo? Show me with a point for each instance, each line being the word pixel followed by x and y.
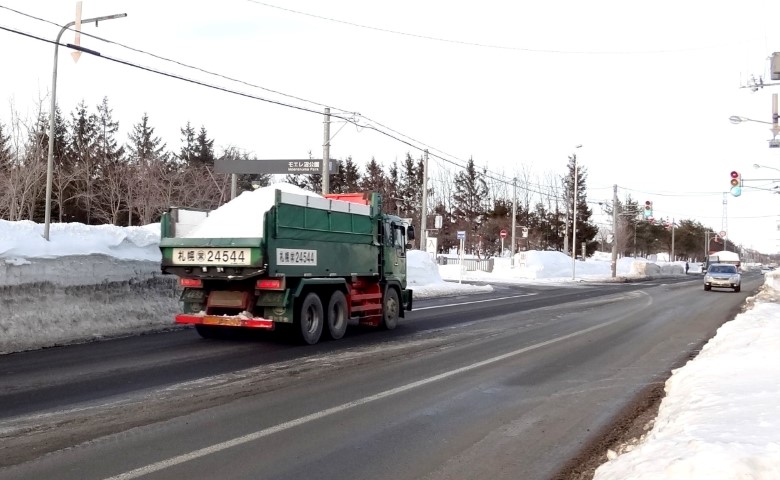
pixel 718 420
pixel 24 239
pixel 242 217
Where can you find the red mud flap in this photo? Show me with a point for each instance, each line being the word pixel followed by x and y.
pixel 226 321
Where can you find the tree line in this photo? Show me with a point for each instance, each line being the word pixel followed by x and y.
pixel 100 179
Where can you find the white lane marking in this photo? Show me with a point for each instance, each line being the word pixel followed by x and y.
pixel 170 462
pixel 475 301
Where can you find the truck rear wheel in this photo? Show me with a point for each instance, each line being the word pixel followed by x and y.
pixel 336 315
pixel 310 318
pixel 210 331
pixel 390 309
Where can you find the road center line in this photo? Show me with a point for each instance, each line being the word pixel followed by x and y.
pixel 476 301
pixel 170 462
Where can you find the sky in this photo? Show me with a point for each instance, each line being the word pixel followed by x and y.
pixel 645 88
pixel 719 418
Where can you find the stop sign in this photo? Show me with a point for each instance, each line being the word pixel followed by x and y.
pixel 503 233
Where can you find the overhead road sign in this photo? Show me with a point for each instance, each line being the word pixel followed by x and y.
pixel 308 166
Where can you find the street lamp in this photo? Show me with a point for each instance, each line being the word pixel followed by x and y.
pixel 735 119
pixel 50 160
pixel 755 165
pixel 774 143
pixel 574 218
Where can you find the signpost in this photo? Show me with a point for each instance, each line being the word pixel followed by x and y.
pixel 431 244
pixel 502 234
pixel 462 238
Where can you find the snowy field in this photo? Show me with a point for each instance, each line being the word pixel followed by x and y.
pixel 720 418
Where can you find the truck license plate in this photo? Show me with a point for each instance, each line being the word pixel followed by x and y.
pixel 226 321
pixel 211 256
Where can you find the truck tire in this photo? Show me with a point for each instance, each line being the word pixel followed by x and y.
pixel 310 318
pixel 336 315
pixel 209 331
pixel 390 309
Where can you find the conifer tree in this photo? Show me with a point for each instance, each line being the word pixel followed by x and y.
pixel 586 231
pixel 468 199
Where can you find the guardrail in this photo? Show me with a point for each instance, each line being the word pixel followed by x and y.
pixel 471 264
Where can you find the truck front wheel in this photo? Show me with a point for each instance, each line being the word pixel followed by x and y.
pixel 310 317
pixel 390 309
pixel 337 315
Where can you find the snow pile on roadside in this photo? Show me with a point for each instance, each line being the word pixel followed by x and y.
pixel 24 239
pixel 424 279
pixel 717 420
pixel 557 266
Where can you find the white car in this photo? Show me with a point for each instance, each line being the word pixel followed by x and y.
pixel 722 275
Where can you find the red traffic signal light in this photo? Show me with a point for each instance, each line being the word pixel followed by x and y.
pixel 736 179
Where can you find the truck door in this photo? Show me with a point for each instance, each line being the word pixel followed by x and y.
pixel 395 251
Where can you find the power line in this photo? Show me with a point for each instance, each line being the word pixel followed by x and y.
pixel 477 44
pixel 379 128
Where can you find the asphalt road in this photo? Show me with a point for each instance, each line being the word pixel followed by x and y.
pixel 512 384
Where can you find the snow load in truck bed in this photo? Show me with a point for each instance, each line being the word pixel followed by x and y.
pixel 242 217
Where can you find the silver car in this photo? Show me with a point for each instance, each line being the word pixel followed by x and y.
pixel 722 275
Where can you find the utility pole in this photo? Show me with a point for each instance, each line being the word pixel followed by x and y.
pixel 514 221
pixel 326 154
pixel 424 214
pixel 672 257
pixel 613 264
pixel 574 224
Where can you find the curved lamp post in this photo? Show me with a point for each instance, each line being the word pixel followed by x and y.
pixel 50 159
pixel 755 165
pixel 774 143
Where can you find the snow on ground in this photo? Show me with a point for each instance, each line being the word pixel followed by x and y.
pixel 719 419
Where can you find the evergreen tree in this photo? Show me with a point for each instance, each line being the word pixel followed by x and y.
pixel 64 188
pixel 468 199
pixel 374 180
pixel 143 146
pixel 337 182
pixel 204 149
pixel 189 151
pixel 147 161
pixel 351 176
pixel 410 188
pixel 393 201
pixel 5 150
pixel 586 231
pixel 107 148
pixel 83 157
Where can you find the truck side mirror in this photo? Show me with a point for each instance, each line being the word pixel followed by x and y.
pixel 410 232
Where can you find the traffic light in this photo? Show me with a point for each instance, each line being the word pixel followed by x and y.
pixel 736 183
pixel 648 209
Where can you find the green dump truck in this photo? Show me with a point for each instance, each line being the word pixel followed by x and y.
pixel 316 264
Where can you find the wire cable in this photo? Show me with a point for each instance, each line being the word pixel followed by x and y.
pixel 481 45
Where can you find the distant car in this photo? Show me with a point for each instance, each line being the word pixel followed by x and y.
pixel 722 275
